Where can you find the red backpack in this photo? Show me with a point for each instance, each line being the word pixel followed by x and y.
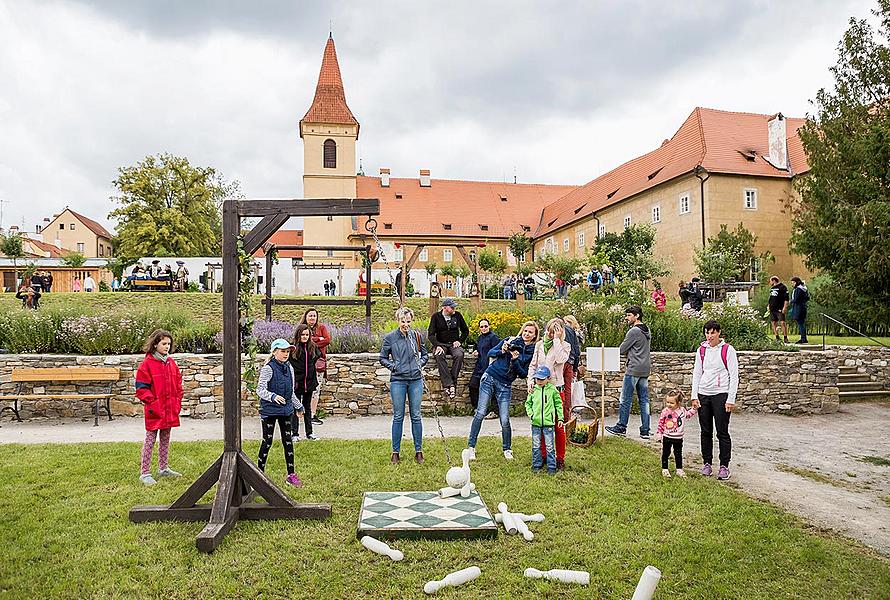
pixel 724 350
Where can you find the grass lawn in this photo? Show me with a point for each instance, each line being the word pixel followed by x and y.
pixel 848 341
pixel 64 531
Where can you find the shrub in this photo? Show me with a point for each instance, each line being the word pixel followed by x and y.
pixel 503 323
pixel 353 338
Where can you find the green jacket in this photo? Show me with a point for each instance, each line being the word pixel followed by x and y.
pixel 544 406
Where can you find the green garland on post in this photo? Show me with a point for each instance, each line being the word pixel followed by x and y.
pixel 246 288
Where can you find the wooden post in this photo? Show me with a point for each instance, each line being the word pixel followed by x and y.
pixel 603 393
pixel 269 283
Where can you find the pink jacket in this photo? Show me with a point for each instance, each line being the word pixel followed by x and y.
pixel 555 360
pixel 672 422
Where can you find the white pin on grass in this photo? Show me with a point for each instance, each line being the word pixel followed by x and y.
pixel 375 545
pixel 453 579
pixel 563 575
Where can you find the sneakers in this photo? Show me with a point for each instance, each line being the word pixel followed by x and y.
pixel 317 421
pixel 312 437
pixel 615 430
pixel 645 436
pixel 786 339
pixel 706 470
pixel 295 438
pixel 491 415
pixel 168 472
pixel 508 454
pixel 681 473
pixel 293 480
pixel 472 452
pixel 723 473
pixel 667 474
pixel 147 479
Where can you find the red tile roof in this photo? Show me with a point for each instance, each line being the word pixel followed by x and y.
pixel 54 252
pixel 464 205
pixel 285 237
pixel 329 104
pixel 715 139
pixel 91 225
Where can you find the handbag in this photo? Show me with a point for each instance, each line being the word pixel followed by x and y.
pixel 321 364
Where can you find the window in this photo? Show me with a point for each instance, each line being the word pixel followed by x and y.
pixel 101 250
pixel 565 245
pixel 330 253
pixel 399 254
pixel 72 227
pixel 602 232
pixel 398 196
pixel 80 247
pixel 61 226
pixel 548 245
pixel 526 227
pixel 330 154
pixel 500 254
pixel 387 225
pixel 580 239
pixel 684 204
pixel 626 221
pixel 449 284
pixel 751 199
pixel 424 255
pixel 656 214
pixel 447 255
pixel 330 218
pixel 108 252
pixel 446 226
pixel 483 227
pixel 472 256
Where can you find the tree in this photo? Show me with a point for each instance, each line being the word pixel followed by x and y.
pixel 519 244
pixel 74 259
pixel 490 262
pixel 629 253
pixel 11 246
pixel 729 254
pixel 555 266
pixel 431 269
pixel 842 220
pixel 169 208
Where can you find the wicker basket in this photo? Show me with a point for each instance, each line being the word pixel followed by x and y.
pixel 593 429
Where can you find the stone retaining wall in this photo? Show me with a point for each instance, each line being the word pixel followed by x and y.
pixel 775 382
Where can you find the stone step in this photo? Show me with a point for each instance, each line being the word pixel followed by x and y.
pixel 809 347
pixel 852 377
pixel 854 386
pixel 875 395
pixel 846 370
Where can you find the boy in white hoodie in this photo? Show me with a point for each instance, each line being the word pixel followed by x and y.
pixel 715 383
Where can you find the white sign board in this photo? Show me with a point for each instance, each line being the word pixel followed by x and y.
pixel 595 359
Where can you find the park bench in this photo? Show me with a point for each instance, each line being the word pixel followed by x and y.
pixel 54 375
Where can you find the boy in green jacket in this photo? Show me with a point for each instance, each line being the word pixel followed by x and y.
pixel 544 409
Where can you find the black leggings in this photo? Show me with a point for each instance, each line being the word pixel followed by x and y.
pixel 268 433
pixel 666 445
pixel 306 399
pixel 713 415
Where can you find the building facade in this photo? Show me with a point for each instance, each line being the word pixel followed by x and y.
pixel 77 233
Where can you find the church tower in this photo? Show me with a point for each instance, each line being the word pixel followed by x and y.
pixel 329 131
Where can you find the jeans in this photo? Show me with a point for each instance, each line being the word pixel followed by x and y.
pixel 641 385
pixel 802 325
pixel 537 459
pixel 398 390
pixel 490 387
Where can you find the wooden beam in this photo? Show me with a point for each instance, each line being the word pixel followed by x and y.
pixel 223 515
pixel 231 329
pixel 320 301
pixel 261 232
pixel 309 207
pixel 200 487
pixel 211 536
pixel 334 248
pixel 414 256
pixel 466 256
pixel 248 511
pixel 262 484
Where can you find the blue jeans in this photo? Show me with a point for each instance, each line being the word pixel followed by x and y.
pixel 802 325
pixel 537 459
pixel 490 387
pixel 399 389
pixel 641 385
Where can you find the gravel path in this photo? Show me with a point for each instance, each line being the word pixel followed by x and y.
pixel 816 467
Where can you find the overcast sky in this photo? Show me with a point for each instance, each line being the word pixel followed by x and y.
pixel 558 91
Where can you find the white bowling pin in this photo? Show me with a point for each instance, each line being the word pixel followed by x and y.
pixel 448 492
pixel 648 582
pixel 453 579
pixel 563 575
pixel 535 518
pixel 523 528
pixel 375 545
pixel 507 519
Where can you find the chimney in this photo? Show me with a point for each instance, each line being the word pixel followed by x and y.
pixel 778 144
pixel 425 178
pixel 384 177
pixel 13 229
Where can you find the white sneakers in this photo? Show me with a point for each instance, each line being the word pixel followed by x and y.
pixel 472 453
pixel 508 454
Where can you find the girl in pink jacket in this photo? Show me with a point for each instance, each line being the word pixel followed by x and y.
pixel 671 425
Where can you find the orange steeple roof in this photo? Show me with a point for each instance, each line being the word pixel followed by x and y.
pixel 329 104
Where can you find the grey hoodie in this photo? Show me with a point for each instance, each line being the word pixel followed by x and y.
pixel 636 347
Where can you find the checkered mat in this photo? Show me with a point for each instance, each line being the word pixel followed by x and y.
pixel 391 515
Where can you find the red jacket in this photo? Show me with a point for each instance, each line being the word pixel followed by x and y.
pixel 159 387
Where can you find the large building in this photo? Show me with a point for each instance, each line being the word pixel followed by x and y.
pixel 77 233
pixel 719 168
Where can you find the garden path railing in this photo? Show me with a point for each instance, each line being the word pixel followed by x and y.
pixel 823 316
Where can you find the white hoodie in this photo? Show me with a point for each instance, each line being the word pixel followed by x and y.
pixel 713 377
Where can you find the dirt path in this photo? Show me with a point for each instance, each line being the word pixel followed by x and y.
pixel 815 467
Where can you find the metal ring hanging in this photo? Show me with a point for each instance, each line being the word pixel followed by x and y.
pixel 368 225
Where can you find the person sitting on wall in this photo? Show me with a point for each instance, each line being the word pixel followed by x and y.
pixel 448 332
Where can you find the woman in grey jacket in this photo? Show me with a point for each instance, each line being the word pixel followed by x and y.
pixel 404 353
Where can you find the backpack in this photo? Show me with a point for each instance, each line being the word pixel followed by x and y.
pixel 724 350
pixel 803 295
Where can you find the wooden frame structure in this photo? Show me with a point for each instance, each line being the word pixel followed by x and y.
pixel 269 301
pixel 234 470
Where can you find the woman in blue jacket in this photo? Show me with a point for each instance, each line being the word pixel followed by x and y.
pixel 484 344
pixel 511 360
pixel 404 353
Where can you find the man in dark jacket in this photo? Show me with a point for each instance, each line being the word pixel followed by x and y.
pixel 448 333
pixel 778 306
pixel 636 372
pixel 695 298
pixel 799 298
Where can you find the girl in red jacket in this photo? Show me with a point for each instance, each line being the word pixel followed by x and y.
pixel 159 388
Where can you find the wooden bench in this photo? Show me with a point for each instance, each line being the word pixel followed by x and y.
pixel 63 374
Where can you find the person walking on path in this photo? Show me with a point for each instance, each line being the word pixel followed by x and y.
pixel 278 402
pixel 554 352
pixel 321 338
pixel 484 344
pixel 327 288
pixel 635 346
pixel 303 359
pixel 404 354
pixel 544 409
pixel 800 295
pixel 778 307
pixel 448 333
pixel 333 288
pixel 159 388
pixel 511 360
pixel 715 383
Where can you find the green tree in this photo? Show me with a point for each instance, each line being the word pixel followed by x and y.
pixel 169 208
pixel 12 247
pixel 490 263
pixel 431 269
pixel 729 254
pixel 555 266
pixel 519 245
pixel 842 222
pixel 74 259
pixel 629 253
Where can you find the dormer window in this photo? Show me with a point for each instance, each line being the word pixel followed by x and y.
pixel 398 196
pixel 446 226
pixel 503 198
pixel 330 154
pixel 526 227
pixel 387 225
pixel 483 227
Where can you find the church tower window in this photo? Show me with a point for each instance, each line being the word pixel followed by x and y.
pixel 330 154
